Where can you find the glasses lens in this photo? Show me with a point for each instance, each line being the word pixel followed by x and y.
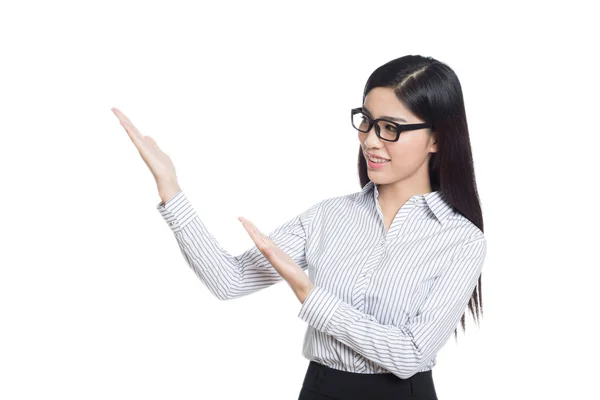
pixel 387 130
pixel 360 121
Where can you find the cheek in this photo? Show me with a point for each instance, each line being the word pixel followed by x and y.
pixel 406 155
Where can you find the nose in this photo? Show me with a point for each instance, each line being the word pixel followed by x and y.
pixel 371 140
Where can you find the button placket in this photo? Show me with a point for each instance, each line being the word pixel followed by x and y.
pixel 378 257
pixel 363 278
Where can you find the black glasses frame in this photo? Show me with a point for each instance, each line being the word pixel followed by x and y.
pixel 399 127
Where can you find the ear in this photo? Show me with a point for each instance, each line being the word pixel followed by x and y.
pixel 433 142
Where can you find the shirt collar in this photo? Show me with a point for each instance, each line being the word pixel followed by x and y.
pixel 435 201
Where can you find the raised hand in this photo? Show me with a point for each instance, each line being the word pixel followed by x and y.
pixel 158 162
pixel 282 262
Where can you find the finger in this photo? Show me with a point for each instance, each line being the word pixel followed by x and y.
pixel 256 231
pixel 134 134
pixel 121 115
pixel 144 144
pixel 264 243
pixel 256 235
pixel 250 228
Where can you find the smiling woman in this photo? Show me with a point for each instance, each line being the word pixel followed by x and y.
pixel 392 267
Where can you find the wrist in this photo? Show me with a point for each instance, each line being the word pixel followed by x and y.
pixel 305 291
pixel 167 189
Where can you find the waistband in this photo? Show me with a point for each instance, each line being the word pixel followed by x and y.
pixel 334 382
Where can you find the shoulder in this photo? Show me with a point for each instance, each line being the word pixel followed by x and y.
pixel 343 203
pixel 458 223
pixel 472 248
pixel 468 241
pixel 333 208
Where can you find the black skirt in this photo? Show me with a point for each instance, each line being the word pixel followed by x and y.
pixel 322 382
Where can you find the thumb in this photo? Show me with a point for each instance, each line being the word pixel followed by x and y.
pixel 150 140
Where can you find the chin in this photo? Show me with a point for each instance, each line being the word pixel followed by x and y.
pixel 377 179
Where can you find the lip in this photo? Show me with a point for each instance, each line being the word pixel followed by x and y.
pixel 373 155
pixel 375 166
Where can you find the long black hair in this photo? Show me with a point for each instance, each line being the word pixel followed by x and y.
pixel 430 89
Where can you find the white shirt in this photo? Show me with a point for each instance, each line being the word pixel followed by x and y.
pixel 382 301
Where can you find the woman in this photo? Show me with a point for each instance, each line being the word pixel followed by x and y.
pixel 392 267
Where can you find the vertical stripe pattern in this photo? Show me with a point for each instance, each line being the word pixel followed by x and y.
pixel 382 301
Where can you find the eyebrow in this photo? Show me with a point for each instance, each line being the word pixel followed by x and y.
pixel 385 116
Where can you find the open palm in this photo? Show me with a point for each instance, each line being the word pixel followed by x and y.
pixel 158 161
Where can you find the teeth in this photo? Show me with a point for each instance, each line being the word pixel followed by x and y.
pixel 377 160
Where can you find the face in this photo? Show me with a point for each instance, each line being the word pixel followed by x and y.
pixel 409 154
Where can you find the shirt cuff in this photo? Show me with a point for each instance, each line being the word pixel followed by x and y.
pixel 319 307
pixel 177 211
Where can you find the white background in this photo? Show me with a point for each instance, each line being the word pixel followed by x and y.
pixel 251 100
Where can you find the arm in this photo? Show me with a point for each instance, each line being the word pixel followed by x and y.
pixel 402 350
pixel 227 276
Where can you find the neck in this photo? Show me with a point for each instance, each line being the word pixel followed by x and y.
pixel 394 195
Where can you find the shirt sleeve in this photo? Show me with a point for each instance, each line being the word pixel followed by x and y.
pixel 402 350
pixel 227 276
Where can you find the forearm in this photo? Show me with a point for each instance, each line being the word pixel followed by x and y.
pixel 390 347
pixel 225 275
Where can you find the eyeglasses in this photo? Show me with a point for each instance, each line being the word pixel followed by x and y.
pixel 384 128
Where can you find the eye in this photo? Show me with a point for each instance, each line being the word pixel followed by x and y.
pixel 391 128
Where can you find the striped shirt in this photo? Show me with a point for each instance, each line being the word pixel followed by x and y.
pixel 382 301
